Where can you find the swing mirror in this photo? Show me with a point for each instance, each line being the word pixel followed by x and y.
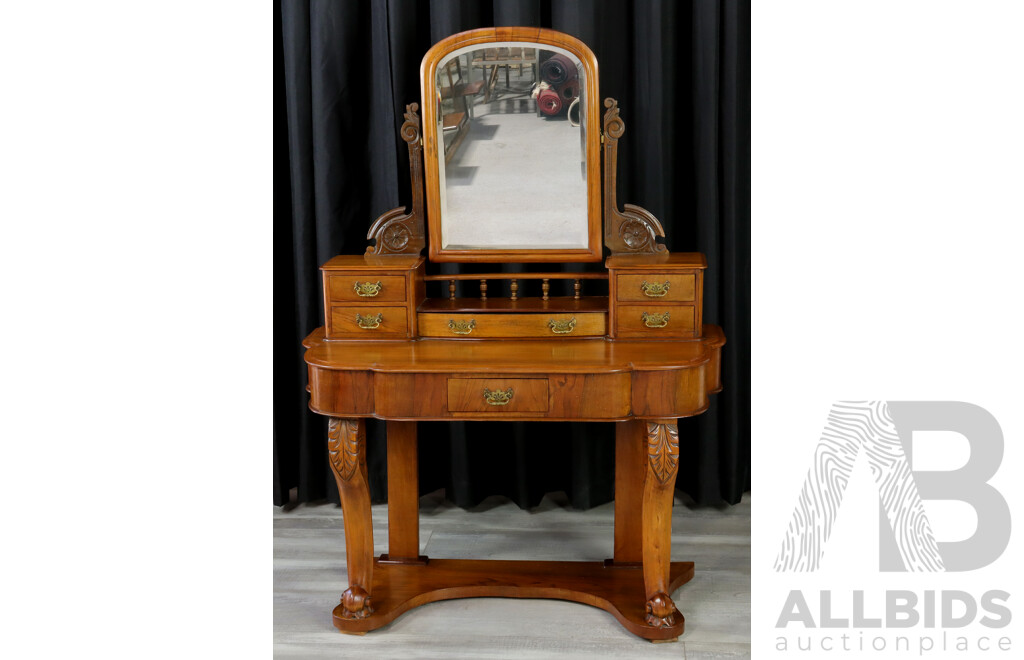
pixel 511 141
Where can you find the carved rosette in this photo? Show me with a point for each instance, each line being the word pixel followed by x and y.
pixel 344 446
pixel 661 611
pixel 633 230
pixel 398 232
pixel 663 450
pixel 355 603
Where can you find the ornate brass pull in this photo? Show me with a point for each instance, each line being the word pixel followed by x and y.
pixel 368 289
pixel 653 289
pixel 369 322
pixel 655 320
pixel 562 327
pixel 462 327
pixel 497 397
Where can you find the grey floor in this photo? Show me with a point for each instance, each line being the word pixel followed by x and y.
pixel 309 576
pixel 516 178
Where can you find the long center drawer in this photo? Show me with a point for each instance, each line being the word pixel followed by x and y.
pixel 546 324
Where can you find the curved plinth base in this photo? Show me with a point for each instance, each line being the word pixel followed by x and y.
pixel 397 588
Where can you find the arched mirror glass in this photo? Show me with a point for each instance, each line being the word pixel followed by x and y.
pixel 512 164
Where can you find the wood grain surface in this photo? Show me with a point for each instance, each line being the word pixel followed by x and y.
pixel 631 325
pixel 527 395
pixel 555 355
pixel 504 326
pixel 340 287
pixel 681 287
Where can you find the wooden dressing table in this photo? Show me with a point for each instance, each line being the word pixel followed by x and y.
pixel 639 356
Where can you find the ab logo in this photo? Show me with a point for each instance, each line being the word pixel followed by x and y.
pixel 882 431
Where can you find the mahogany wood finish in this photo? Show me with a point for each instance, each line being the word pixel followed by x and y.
pixel 619 591
pixel 503 326
pixel 433 141
pixel 630 468
pixel 655 321
pixel 634 229
pixel 555 304
pixel 514 356
pixel 629 300
pixel 366 287
pixel 656 514
pixel 397 232
pixel 640 357
pixel 391 286
pixel 403 494
pixel 517 394
pixel 516 276
pixel 656 288
pixel 347 447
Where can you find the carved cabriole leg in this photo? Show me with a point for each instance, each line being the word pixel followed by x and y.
pixel 346 445
pixel 659 487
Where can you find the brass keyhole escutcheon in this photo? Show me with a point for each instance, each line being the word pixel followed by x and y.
pixel 655 320
pixel 462 327
pixel 369 322
pixel 562 326
pixel 368 289
pixel 653 289
pixel 497 397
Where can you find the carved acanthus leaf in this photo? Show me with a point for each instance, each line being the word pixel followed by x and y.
pixel 663 450
pixel 345 446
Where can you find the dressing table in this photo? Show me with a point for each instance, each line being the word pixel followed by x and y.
pixel 515 181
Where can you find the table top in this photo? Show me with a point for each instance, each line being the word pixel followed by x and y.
pixel 595 355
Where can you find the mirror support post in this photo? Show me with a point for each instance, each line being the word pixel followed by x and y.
pixel 398 232
pixel 633 230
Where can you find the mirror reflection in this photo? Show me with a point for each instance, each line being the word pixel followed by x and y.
pixel 512 150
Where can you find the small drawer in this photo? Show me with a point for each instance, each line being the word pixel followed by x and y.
pixel 484 326
pixel 656 287
pixel 498 395
pixel 365 322
pixel 655 321
pixel 368 287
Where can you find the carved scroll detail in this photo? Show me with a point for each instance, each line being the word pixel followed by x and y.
pixel 663 450
pixel 356 603
pixel 346 449
pixel 398 232
pixel 634 229
pixel 661 611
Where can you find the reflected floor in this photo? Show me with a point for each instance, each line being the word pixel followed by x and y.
pixel 516 179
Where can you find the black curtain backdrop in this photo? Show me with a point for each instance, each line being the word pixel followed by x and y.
pixel 344 72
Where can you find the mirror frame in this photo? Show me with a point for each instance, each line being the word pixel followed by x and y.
pixel 591 122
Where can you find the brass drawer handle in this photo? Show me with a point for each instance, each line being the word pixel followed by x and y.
pixel 497 397
pixel 562 327
pixel 369 322
pixel 653 289
pixel 655 320
pixel 368 289
pixel 462 327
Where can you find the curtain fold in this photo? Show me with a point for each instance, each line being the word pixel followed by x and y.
pixel 344 73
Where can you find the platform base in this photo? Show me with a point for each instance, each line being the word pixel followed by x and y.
pixel 397 588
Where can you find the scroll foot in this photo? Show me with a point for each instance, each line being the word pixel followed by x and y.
pixel 356 603
pixel 661 611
